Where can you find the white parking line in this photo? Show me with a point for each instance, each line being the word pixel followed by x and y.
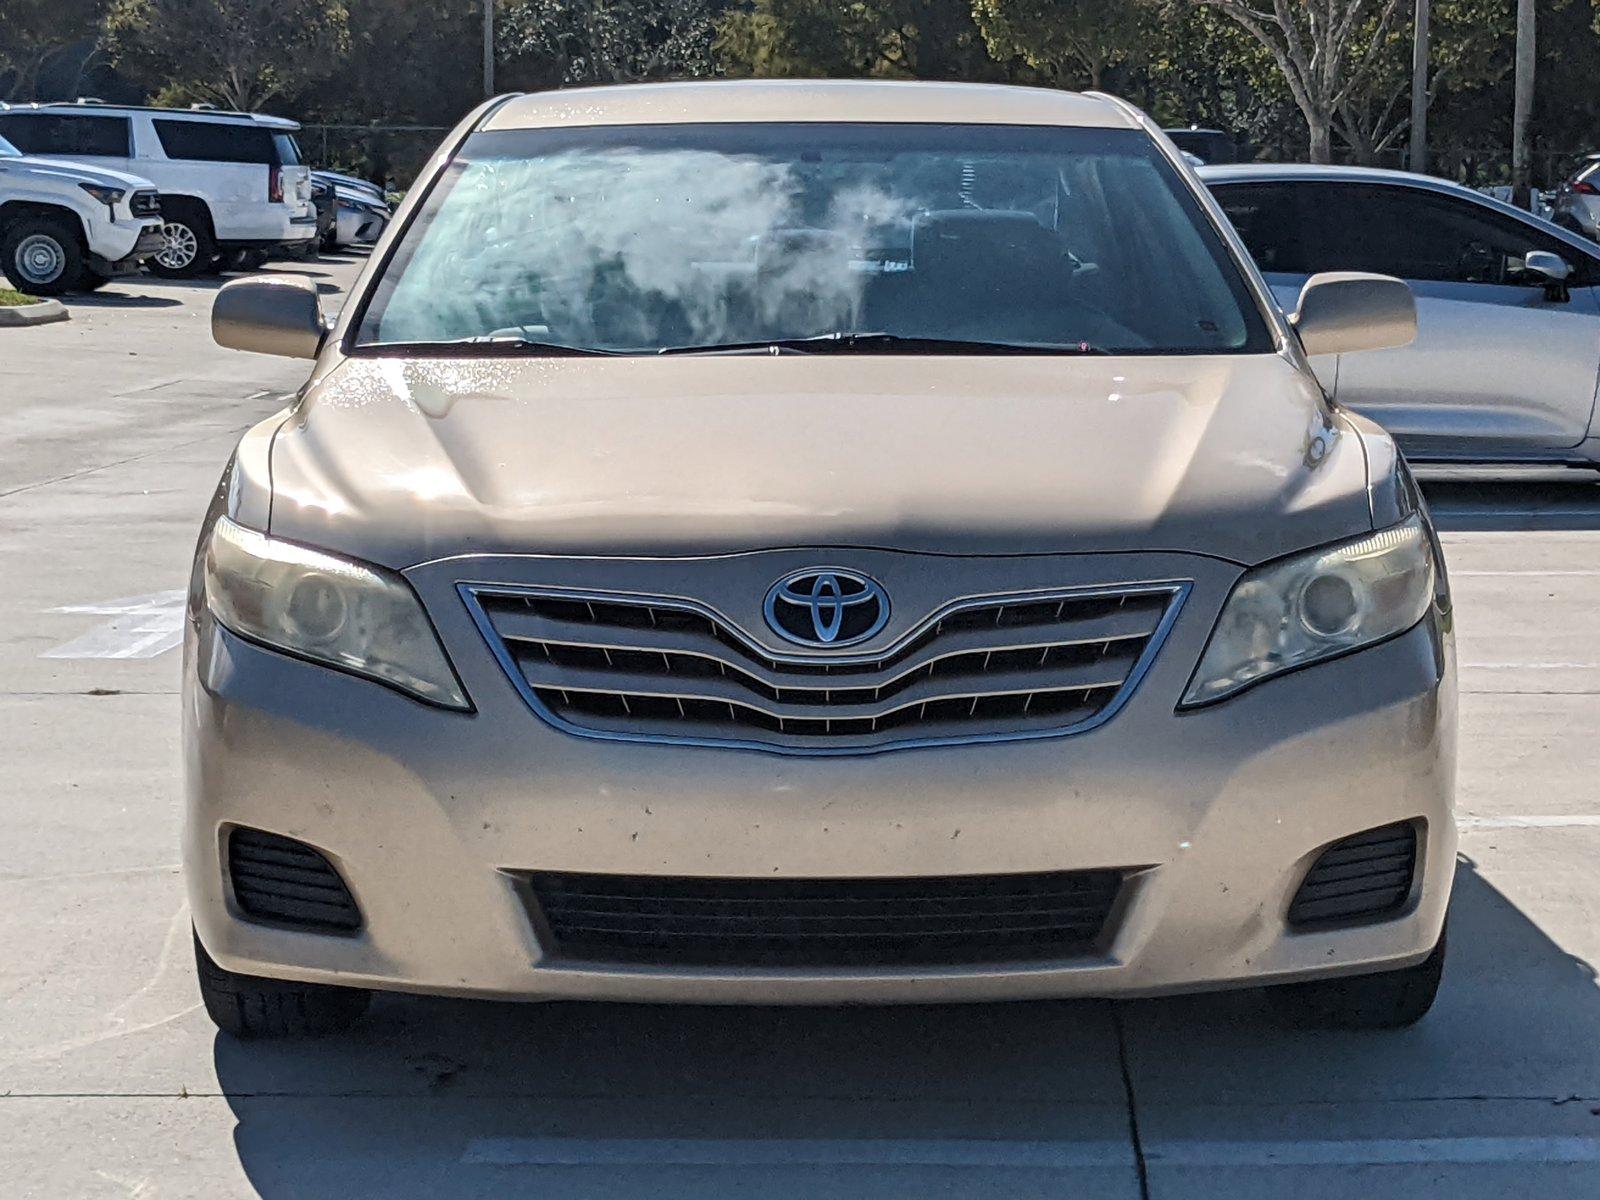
pixel 764 1152
pixel 1518 574
pixel 1531 666
pixel 1377 1152
pixel 1501 513
pixel 140 627
pixel 946 1152
pixel 1573 821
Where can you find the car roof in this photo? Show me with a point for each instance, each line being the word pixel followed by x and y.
pixel 809 100
pixel 1303 172
pixel 1222 173
pixel 1312 172
pixel 98 109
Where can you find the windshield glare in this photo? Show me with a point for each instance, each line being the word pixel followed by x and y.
pixel 7 150
pixel 641 239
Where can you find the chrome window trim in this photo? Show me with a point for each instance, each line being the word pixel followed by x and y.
pixel 1176 590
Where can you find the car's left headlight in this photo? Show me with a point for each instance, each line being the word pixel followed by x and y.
pixel 353 615
pixel 1315 605
pixel 109 196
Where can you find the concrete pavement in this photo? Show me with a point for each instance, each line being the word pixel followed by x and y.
pixel 113 430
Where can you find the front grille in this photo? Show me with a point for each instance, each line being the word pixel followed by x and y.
pixel 1367 875
pixel 1013 666
pixel 285 882
pixel 145 204
pixel 823 922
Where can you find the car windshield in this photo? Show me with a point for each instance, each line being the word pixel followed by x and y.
pixel 7 150
pixel 874 238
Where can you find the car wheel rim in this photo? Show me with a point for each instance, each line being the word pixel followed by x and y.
pixel 41 259
pixel 180 247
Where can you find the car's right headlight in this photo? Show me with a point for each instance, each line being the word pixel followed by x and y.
pixel 1315 605
pixel 348 614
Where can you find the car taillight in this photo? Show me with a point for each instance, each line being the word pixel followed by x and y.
pixel 275 185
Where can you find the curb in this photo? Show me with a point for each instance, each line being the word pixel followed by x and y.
pixel 41 313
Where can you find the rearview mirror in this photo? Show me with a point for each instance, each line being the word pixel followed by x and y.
pixel 1342 312
pixel 270 315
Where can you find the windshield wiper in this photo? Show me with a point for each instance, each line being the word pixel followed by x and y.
pixel 884 343
pixel 489 346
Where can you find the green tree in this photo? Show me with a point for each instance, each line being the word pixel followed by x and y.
pixel 1326 50
pixel 891 39
pixel 1470 44
pixel 1068 42
pixel 612 41
pixel 233 53
pixel 32 33
pixel 1203 69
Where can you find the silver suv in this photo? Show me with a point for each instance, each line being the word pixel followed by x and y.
pixel 814 543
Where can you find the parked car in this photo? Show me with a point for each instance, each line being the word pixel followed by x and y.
pixel 1576 203
pixel 64 226
pixel 353 181
pixel 322 200
pixel 1506 360
pixel 361 213
pixel 716 561
pixel 228 181
pixel 1208 145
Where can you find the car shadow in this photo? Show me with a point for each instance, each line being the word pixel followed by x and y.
pixel 1475 501
pixel 449 1099
pixel 112 298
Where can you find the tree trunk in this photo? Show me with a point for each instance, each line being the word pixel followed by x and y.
pixel 1522 107
pixel 1321 139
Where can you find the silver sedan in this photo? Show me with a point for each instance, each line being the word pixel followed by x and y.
pixel 1507 354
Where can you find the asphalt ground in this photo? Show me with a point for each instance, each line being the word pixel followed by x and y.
pixel 113 429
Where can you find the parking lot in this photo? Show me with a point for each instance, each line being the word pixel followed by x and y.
pixel 114 427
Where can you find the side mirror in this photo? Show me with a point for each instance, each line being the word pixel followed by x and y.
pixel 1544 262
pixel 272 315
pixel 1342 312
pixel 1554 269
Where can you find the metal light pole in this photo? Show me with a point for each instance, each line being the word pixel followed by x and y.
pixel 1522 107
pixel 1417 159
pixel 488 48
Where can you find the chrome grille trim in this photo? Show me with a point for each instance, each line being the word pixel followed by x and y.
pixel 660 669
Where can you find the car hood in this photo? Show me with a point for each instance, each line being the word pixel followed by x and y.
pixel 401 461
pixel 76 172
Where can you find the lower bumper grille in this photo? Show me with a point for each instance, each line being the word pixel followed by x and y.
pixel 1367 875
pixel 823 922
pixel 285 882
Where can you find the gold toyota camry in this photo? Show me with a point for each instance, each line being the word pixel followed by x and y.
pixel 813 543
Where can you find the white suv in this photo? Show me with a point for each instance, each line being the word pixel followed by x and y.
pixel 228 181
pixel 66 226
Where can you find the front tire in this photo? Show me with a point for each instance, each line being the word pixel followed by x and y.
pixel 1388 1000
pixel 41 256
pixel 189 249
pixel 249 1007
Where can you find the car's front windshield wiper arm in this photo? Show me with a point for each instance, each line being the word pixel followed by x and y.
pixel 483 347
pixel 884 343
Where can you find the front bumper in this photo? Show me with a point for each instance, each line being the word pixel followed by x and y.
pixel 121 247
pixel 358 228
pixel 428 814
